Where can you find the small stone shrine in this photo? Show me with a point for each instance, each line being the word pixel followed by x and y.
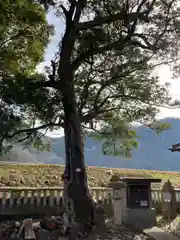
pixel 136 207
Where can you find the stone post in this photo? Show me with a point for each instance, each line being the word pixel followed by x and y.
pixel 169 204
pixel 119 200
pixel 28 229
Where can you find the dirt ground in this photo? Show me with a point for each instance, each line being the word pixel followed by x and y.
pixel 110 232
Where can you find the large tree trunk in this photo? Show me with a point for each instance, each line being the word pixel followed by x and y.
pixel 75 169
pixel 75 166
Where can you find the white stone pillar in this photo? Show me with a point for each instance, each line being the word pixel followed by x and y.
pixel 117 212
pixel 118 201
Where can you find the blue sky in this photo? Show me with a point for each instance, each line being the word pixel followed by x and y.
pixel 50 51
pixel 53 45
pixel 163 72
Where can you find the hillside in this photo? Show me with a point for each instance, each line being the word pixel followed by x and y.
pixel 152 154
pixel 50 175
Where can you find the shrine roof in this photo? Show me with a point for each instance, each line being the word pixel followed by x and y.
pixel 140 180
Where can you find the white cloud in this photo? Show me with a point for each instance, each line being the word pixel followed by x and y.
pixel 90 149
pixel 55 134
pixel 165 75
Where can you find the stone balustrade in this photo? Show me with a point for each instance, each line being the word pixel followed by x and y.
pixel 46 200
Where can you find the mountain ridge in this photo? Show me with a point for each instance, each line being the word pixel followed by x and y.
pixel 152 153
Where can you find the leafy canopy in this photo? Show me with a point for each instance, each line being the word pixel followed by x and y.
pixel 113 46
pixel 24 35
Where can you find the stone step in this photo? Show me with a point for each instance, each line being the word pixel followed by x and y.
pixel 159 234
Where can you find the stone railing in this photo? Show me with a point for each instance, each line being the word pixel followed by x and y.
pixel 157 200
pixel 45 201
pixel 48 200
pixel 157 195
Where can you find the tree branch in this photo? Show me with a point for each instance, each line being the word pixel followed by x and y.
pixel 69 37
pixel 93 51
pixel 31 130
pixel 94 114
pixel 111 18
pixel 97 131
pixel 44 84
pixel 19 34
pixel 175 148
pixel 117 45
pixel 64 11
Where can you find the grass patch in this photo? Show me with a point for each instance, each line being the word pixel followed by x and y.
pixel 42 175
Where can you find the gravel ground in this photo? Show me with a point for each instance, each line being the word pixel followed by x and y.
pixel 173 226
pixel 123 233
pixel 111 232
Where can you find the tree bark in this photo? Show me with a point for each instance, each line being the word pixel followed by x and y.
pixel 75 170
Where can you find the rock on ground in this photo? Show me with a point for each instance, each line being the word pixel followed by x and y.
pixel 110 232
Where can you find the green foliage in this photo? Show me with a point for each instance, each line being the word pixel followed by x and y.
pixel 12 133
pixel 24 34
pixel 159 127
pixel 110 58
pixel 40 144
pixel 117 137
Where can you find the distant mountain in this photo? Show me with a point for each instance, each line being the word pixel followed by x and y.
pixel 152 154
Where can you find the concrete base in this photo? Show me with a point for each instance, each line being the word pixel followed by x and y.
pixel 140 218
